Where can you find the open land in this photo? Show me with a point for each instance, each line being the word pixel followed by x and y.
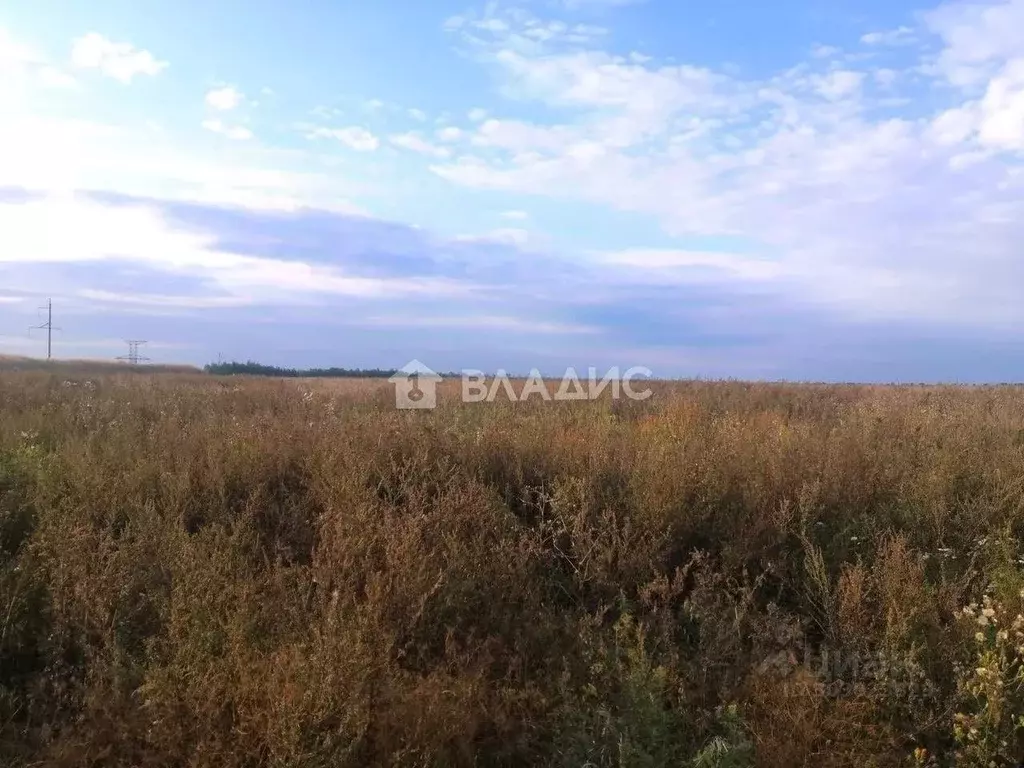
pixel 236 571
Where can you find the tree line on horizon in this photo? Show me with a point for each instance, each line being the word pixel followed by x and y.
pixel 252 368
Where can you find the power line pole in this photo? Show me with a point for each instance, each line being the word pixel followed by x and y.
pixel 133 356
pixel 48 327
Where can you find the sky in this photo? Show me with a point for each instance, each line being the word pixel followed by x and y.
pixel 803 189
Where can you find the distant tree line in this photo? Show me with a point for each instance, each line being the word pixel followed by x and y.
pixel 251 368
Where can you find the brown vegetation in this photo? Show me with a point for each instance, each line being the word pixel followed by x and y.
pixel 238 572
pixel 16 363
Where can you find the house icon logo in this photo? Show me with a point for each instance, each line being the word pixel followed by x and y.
pixel 415 386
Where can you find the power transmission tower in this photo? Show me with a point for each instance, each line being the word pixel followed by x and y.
pixel 48 327
pixel 133 355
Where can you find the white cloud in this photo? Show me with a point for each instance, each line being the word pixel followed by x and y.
pixel 890 37
pixel 984 57
pixel 872 215
pixel 121 61
pixel 51 77
pixel 233 132
pixel 978 38
pixel 416 143
pixel 65 149
pixel 683 263
pixel 520 28
pixel 16 55
pixel 450 133
pixel 354 137
pixel 954 126
pixel 224 99
pixel 629 101
pixel 155 300
pixel 598 79
pixel 454 23
pixel 91 232
pixel 1002 109
pixel 324 112
pixel 503 236
pixel 517 136
pixel 848 200
pixel 839 84
pixel 21 66
pixel 820 51
pixel 885 77
pixel 994 122
pixel 51 154
pixel 515 215
pixel 417 114
pixel 488 322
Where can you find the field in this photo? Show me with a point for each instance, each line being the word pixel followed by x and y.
pixel 16 363
pixel 202 571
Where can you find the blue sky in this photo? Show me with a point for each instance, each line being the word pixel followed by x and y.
pixel 806 190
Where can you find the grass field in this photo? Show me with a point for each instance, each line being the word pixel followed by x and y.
pixel 249 572
pixel 16 363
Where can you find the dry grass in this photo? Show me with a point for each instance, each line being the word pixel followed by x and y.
pixel 15 364
pixel 247 572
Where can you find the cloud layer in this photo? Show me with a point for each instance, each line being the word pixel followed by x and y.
pixel 594 199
